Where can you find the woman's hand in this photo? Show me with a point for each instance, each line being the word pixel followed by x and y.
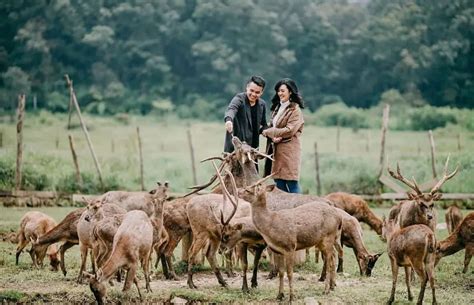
pixel 277 140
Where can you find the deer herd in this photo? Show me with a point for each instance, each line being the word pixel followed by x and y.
pixel 121 230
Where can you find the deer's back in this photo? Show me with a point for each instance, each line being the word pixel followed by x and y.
pixel 135 231
pixel 412 241
pixel 466 229
pixel 35 224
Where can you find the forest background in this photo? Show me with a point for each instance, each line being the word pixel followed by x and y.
pixel 165 61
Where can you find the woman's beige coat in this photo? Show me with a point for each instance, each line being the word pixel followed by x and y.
pixel 287 153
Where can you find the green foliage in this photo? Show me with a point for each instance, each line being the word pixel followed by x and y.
pixel 123 57
pixel 339 114
pixel 11 296
pixel 32 177
pixel 90 184
pixel 428 118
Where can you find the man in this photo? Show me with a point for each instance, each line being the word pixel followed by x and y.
pixel 245 117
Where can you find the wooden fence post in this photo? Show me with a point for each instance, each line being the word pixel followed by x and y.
pixel 432 145
pixel 316 159
pixel 1 138
pixel 76 163
pixel 19 137
pixel 71 104
pixel 142 182
pixel 191 150
pixel 84 128
pixel 386 113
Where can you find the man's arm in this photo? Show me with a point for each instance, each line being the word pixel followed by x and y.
pixel 263 122
pixel 231 112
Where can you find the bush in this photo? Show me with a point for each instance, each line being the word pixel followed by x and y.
pixel 429 118
pixel 90 184
pixel 339 114
pixel 31 178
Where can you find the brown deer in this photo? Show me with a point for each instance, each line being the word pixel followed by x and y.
pixel 294 229
pixel 241 163
pixel 461 238
pixel 206 227
pixel 65 231
pixel 356 206
pixel 132 245
pixel 95 211
pixel 419 208
pixel 411 247
pixel 453 217
pixel 32 226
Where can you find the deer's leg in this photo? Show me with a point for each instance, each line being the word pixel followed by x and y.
pixel 213 246
pixel 32 253
pixel 274 268
pixel 198 243
pixel 329 267
pixel 407 280
pixel 423 279
pixel 316 255
pixel 469 252
pixel 83 249
pixel 22 243
pixel 229 263
pixel 135 280
pixel 340 257
pixel 289 260
pixel 322 277
pixel 394 266
pixel 430 274
pixel 243 255
pixel 168 252
pixel 131 275
pixel 146 269
pixel 256 261
pixel 62 250
pixel 279 261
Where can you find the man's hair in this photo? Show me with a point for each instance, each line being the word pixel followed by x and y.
pixel 258 80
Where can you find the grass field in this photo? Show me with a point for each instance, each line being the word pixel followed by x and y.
pixel 23 284
pixel 353 168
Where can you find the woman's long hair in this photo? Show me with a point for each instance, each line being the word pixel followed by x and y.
pixel 295 97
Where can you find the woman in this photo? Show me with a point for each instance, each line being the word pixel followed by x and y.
pixel 284 136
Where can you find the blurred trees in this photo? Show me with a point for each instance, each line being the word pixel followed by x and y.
pixel 124 57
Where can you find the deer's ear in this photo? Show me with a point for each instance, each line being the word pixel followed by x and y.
pixel 152 192
pixel 270 187
pixel 159 183
pixel 88 276
pixel 437 196
pixel 239 226
pixel 167 184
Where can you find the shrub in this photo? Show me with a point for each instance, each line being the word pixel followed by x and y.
pixel 428 118
pixel 339 114
pixel 31 178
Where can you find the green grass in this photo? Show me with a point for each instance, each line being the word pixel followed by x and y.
pixel 353 168
pixel 23 284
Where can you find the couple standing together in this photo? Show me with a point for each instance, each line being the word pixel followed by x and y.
pixel 245 118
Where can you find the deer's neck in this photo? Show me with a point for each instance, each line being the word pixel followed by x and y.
pixel 451 244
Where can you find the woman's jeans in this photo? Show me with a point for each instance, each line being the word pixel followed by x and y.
pixel 289 186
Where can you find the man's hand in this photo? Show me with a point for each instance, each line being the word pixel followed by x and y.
pixel 229 126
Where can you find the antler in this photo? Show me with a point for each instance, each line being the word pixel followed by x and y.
pixel 399 176
pixel 256 151
pixel 226 193
pixel 197 188
pixel 445 178
pixel 260 181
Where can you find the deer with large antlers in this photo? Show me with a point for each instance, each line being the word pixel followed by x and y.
pixel 206 226
pixel 241 163
pixel 419 208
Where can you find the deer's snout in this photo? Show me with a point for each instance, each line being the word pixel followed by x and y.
pixel 430 216
pixel 87 218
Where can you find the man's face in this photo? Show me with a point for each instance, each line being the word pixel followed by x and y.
pixel 254 92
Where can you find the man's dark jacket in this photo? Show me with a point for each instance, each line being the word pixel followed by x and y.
pixel 239 113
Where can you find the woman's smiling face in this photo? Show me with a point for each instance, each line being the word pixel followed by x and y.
pixel 283 93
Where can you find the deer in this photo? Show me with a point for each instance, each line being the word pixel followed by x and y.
pixel 453 217
pixel 419 208
pixel 65 231
pixel 413 247
pixel 461 238
pixel 95 211
pixel 286 231
pixel 356 206
pixel 206 227
pixel 241 163
pixel 32 226
pixel 132 245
